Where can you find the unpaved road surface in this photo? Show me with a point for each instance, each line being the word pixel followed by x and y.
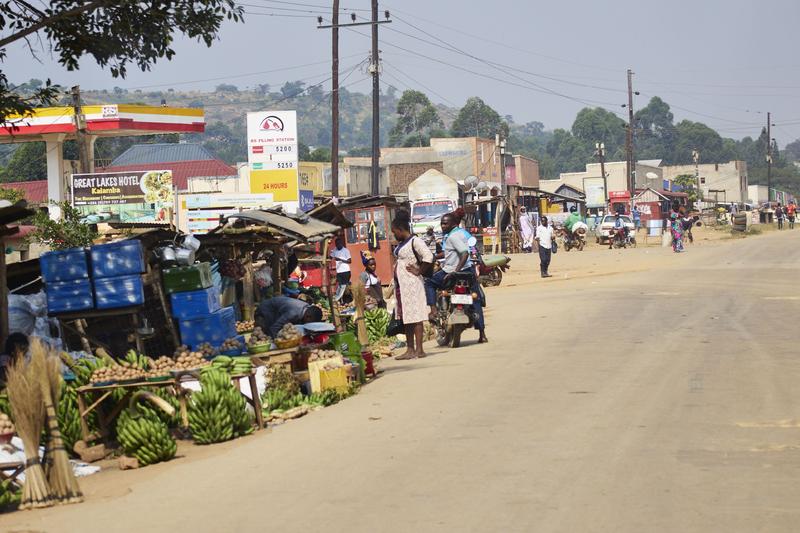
pixel 663 398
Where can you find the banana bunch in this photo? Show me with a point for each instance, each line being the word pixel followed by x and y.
pixel 136 359
pixel 5 404
pixel 145 437
pixel 68 418
pixel 171 420
pixel 9 494
pixel 218 412
pixel 236 366
pixel 84 368
pixel 377 320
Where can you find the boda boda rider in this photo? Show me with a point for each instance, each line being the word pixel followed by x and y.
pixel 455 252
pixel 572 219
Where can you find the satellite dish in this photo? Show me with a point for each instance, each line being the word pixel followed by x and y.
pixel 481 187
pixel 651 176
pixel 470 182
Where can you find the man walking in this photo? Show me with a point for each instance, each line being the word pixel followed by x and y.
pixel 637 218
pixel 544 238
pixel 341 255
pixel 779 215
pixel 791 212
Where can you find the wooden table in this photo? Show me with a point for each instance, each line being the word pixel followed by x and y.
pixel 105 391
pixel 79 318
pixel 275 357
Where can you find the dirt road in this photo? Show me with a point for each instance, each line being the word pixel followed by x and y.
pixel 663 398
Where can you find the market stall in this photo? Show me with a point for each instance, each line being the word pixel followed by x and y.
pixel 371 219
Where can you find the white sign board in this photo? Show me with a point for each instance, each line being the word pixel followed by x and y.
pixel 595 192
pixel 272 155
pixel 200 213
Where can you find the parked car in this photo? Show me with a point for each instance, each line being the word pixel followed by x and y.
pixel 603 230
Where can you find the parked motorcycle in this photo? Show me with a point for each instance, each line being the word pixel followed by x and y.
pixel 455 310
pixel 491 268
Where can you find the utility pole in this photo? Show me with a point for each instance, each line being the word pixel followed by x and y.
pixel 769 157
pixel 376 103
pixel 696 159
pixel 376 93
pixel 629 148
pixel 80 130
pixel 335 101
pixel 601 155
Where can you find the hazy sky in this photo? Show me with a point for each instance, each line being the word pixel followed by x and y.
pixel 722 62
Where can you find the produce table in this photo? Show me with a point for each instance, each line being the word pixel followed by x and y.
pixel 104 420
pixel 275 357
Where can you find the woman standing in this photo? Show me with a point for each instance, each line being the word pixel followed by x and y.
pixel 369 278
pixel 412 308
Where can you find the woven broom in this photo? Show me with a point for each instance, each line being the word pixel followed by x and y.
pixel 360 300
pixel 27 405
pixel 63 484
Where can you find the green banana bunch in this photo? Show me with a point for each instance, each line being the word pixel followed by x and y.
pixel 171 420
pixel 5 404
pixel 68 417
pixel 137 360
pixel 10 495
pixel 218 412
pixel 145 437
pixel 83 369
pixel 376 320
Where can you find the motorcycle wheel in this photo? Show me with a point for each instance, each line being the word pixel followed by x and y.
pixel 580 246
pixel 496 277
pixel 455 336
pixel 633 243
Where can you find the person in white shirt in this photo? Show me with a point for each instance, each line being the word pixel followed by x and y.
pixel 544 237
pixel 341 255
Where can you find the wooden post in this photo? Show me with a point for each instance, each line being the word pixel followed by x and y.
pixel 162 297
pixel 277 282
pixel 248 289
pixel 80 325
pixel 328 286
pixel 3 294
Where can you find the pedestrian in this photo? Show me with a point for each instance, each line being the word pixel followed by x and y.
pixel 637 218
pixel 544 238
pixel 430 240
pixel 526 230
pixel 412 258
pixel 676 225
pixel 341 255
pixel 369 278
pixel 791 212
pixel 779 215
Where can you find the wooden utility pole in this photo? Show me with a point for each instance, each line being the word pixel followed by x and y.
pixel 601 155
pixel 335 101
pixel 629 148
pixel 769 156
pixel 80 130
pixel 376 103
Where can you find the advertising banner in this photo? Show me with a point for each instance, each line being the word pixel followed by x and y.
pixel 272 154
pixel 595 192
pixel 306 200
pixel 200 213
pixel 134 196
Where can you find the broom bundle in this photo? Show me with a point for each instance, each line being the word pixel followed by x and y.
pixel 27 405
pixel 63 484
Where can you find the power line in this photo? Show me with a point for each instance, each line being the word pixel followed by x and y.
pixel 324 7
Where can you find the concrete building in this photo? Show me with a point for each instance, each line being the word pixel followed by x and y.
pixel 719 182
pixel 522 171
pixel 648 174
pixel 456 157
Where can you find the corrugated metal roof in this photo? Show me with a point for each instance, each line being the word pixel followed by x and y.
pixel 35 191
pixel 302 228
pixel 146 154
pixel 183 170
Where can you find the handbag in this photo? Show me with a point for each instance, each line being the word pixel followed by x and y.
pixel 554 246
pixel 395 326
pixel 425 269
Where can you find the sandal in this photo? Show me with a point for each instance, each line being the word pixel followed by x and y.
pixel 405 357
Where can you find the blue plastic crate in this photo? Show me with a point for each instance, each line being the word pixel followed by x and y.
pixel 122 291
pixel 213 328
pixel 69 296
pixel 64 265
pixel 195 303
pixel 121 258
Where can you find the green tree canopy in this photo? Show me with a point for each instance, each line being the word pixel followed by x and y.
pixel 416 116
pixel 476 119
pixel 594 125
pixel 72 29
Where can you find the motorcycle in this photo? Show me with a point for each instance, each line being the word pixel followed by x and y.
pixel 455 310
pixel 621 238
pixel 491 268
pixel 575 239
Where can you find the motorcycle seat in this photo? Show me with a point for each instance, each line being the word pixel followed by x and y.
pixel 494 260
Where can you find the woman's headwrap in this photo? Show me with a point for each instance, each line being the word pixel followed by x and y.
pixel 366 257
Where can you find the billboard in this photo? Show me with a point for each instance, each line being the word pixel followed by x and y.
pixel 200 213
pixel 133 196
pixel 595 192
pixel 272 155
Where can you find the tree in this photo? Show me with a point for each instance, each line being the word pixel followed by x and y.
pixel 291 89
pixel 697 136
pixel 69 232
pixel 28 163
pixel 262 89
pixel 792 151
pixel 688 184
pixel 416 115
pixel 12 195
pixel 570 154
pixel 103 29
pixel 320 155
pixel 476 119
pixel 655 133
pixel 226 88
pixel 594 125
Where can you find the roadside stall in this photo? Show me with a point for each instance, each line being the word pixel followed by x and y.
pixel 9 213
pixel 371 219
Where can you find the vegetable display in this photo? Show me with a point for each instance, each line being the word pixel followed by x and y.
pixel 218 412
pixel 377 320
